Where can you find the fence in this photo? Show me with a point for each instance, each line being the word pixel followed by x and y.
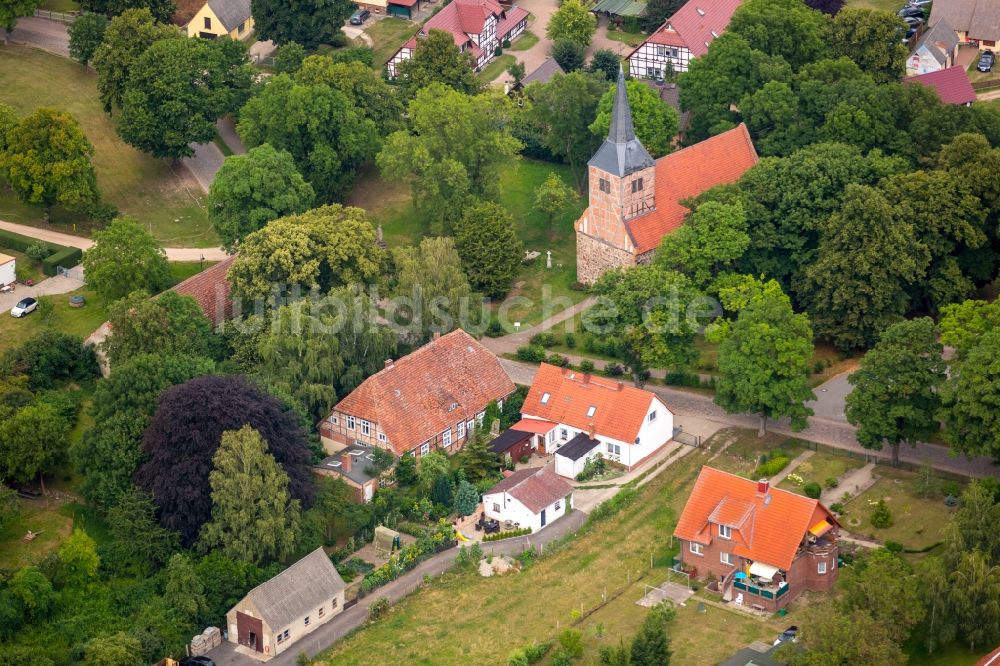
pixel 64 17
pixel 687 438
pixel 982 85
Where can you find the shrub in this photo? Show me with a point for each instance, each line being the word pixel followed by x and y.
pixel 586 365
pixel 631 25
pixel 837 507
pixel 339 40
pixel 378 608
pixel 594 466
pixel 812 489
pixel 531 353
pixel 571 640
pixel 682 378
pixel 775 464
pixel 832 482
pixel 559 360
pixel 517 658
pixel 894 547
pixel 497 536
pixel 881 516
pixel 506 43
pixel 498 51
pixel 38 250
pixel 543 339
pixel 527 558
pixel 614 370
pixel 560 658
pixel 535 651
pixel 570 340
pixel 494 329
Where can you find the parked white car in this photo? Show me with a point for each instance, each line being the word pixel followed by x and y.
pixel 24 306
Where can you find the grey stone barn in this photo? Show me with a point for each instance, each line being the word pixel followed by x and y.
pixel 277 613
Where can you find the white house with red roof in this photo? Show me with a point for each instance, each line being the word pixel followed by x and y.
pixel 478 26
pixel 763 546
pixel 531 497
pixel 577 415
pixel 684 36
pixel 634 200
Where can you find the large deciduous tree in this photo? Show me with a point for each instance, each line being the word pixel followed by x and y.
pixel 764 355
pixel 46 160
pixel 573 22
pixel 33 441
pixel 253 517
pixel 11 10
pixel 176 91
pixel 432 292
pixel 895 396
pixel 325 133
pixel 785 28
pixel 553 197
pixel 118 649
pixel 319 352
pixel 871 38
pixel 50 357
pixel 171 323
pixel 85 35
pixel 447 163
pixel 655 314
pixel 711 241
pixel 307 23
pixel 125 258
pixel 363 86
pixel 869 255
pixel 111 451
pixel 251 190
pixel 656 122
pixel 182 587
pixel 970 398
pixel 162 10
pixel 320 249
pixel 490 249
pixel 886 589
pixel 438 60
pixel 184 435
pixel 832 636
pixel 125 40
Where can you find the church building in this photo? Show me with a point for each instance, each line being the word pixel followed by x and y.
pixel 635 200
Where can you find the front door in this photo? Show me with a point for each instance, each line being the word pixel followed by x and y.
pixel 541 444
pixel 249 631
pixel 543 517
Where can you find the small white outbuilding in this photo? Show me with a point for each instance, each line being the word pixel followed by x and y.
pixel 8 273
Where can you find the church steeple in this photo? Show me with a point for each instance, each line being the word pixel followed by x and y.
pixel 621 153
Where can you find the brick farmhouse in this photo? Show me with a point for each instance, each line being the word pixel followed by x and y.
pixel 431 399
pixel 763 546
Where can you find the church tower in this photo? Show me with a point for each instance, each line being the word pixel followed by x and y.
pixel 622 179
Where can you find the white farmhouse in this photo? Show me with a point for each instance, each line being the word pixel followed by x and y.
pixel 625 424
pixel 531 497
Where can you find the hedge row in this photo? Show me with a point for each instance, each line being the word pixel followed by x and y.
pixel 59 255
pixel 510 534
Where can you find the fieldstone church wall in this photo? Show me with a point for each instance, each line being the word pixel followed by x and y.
pixel 594 258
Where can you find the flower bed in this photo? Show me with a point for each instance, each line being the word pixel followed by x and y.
pixel 507 535
pixel 434 540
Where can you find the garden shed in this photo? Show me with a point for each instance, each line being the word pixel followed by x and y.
pixel 574 454
pixel 8 274
pixel 512 442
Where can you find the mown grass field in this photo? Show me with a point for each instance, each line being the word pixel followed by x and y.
pixel 76 321
pixel 388 35
pixel 389 204
pixel 161 195
pixel 820 467
pixel 496 67
pixel 525 41
pixel 465 619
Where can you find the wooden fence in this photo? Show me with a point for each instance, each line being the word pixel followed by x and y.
pixel 63 17
pixel 990 83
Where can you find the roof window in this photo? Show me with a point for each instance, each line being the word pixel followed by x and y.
pixel 701 12
pixel 591 410
pixel 545 398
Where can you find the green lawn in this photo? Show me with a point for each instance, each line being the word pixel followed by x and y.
pixel 60 5
pixel 820 467
pixel 953 655
pixel 744 447
pixel 161 195
pixel 496 67
pixel 78 321
pixel 891 6
pixel 39 515
pixel 525 41
pixel 182 270
pixel 462 618
pixel 388 204
pixel 26 268
pixel 388 35
pixel 917 522
pixel 633 39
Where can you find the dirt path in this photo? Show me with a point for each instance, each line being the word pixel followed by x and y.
pixel 855 483
pixel 508 344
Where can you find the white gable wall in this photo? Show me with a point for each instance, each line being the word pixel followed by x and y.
pixel 504 506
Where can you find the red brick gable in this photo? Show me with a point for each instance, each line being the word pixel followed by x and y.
pixel 764 530
pixel 448 380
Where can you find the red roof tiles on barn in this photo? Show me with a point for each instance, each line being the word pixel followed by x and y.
pixel 951 85
pixel 212 291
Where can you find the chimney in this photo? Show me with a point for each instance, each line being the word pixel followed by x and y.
pixel 590 429
pixel 763 487
pixel 436 335
pixel 586 378
pixel 621 386
pixel 388 363
pixel 345 461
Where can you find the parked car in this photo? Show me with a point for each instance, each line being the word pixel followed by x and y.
pixel 788 635
pixel 913 21
pixel 360 16
pixel 909 35
pixel 919 3
pixel 986 61
pixel 916 12
pixel 197 661
pixel 24 307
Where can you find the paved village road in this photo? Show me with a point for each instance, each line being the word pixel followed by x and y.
pixel 69 240
pixel 356 616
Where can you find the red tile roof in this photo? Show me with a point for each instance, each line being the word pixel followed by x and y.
pixel 467 17
pixel 534 487
pixel 767 531
pixel 448 380
pixel 537 426
pixel 721 159
pixel 695 25
pixel 620 409
pixel 212 291
pixel 952 85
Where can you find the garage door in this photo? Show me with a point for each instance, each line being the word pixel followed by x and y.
pixel 396 10
pixel 249 631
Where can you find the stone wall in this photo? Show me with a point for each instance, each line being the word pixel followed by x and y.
pixel 594 258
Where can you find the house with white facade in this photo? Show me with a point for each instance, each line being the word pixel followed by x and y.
pixel 531 497
pixel 683 37
pixel 625 424
pixel 936 51
pixel 477 26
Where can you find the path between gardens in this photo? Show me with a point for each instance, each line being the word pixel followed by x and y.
pixel 700 411
pixel 69 240
pixel 356 616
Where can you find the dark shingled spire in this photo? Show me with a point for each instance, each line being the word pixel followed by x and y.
pixel 621 153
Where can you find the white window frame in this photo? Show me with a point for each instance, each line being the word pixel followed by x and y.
pixel 725 532
pixel 446 437
pixel 545 398
pixel 696 548
pixel 460 429
pixel 425 448
pixel 382 437
pixel 333 604
pixel 563 434
pixel 591 410
pixel 726 558
pixel 334 420
pixel 496 507
pixel 550 436
pixel 500 404
pixel 470 424
pixel 652 416
pixel 821 568
pixel 479 418
pixel 321 612
pixel 555 507
pixel 366 428
pixel 613 449
pixel 350 422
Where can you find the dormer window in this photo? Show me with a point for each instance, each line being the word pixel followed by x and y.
pixel 715 34
pixel 545 398
pixel 701 12
pixel 591 410
pixel 725 532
